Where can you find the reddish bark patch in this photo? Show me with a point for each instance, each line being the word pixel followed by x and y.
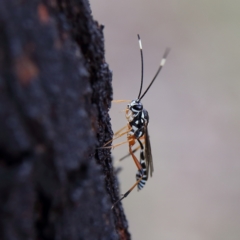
pixel 26 70
pixel 43 13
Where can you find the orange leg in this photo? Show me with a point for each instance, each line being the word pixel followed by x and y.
pixel 131 140
pixel 126 194
pixel 119 131
pixel 113 146
pixel 118 136
pixel 134 150
pixel 120 101
pixel 135 159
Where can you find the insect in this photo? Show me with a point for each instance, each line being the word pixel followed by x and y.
pixel 137 131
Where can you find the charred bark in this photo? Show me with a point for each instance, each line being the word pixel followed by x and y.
pixel 55 93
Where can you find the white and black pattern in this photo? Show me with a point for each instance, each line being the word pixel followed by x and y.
pixel 138 119
pixel 143 173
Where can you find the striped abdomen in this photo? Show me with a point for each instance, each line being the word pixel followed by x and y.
pixel 142 174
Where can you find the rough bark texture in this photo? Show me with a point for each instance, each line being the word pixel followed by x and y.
pixel 55 93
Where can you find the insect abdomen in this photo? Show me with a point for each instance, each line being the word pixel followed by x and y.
pixel 142 173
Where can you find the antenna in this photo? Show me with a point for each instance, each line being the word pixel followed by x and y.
pixel 141 52
pixel 158 71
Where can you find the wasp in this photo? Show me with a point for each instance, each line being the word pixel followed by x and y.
pixel 137 131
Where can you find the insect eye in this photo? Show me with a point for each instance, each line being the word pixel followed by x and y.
pixel 137 107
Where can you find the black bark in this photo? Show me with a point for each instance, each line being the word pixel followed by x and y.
pixel 55 93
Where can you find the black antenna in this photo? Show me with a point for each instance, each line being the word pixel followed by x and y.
pixel 141 52
pixel 158 71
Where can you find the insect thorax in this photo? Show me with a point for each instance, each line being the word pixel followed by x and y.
pixel 137 117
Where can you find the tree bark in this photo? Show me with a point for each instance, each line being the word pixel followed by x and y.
pixel 55 93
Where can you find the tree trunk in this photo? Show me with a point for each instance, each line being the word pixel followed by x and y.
pixel 55 93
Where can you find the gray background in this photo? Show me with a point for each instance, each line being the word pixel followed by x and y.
pixel 194 113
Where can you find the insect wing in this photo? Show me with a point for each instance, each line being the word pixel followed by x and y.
pixel 148 153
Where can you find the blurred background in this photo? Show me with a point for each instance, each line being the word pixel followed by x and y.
pixel 193 108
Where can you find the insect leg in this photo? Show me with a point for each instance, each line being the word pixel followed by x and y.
pixel 119 131
pixel 139 167
pixel 120 101
pixel 134 150
pixel 127 193
pixel 118 136
pixel 141 171
pixel 116 145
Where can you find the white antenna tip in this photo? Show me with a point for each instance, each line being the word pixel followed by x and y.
pixel 140 43
pixel 163 62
